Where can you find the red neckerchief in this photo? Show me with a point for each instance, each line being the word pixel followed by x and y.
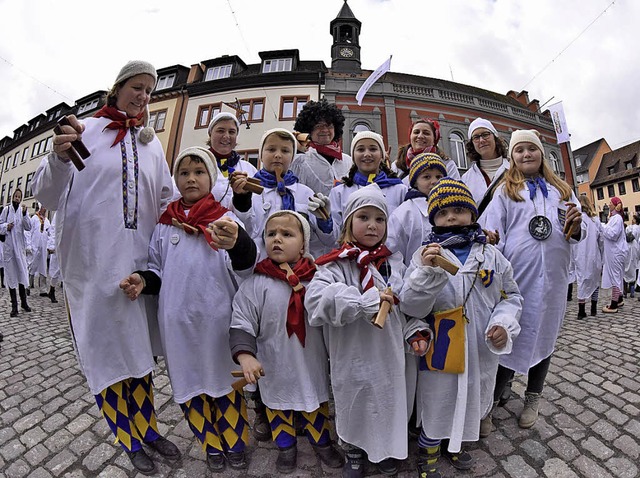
pixel 119 121
pixel 201 214
pixel 302 271
pixel 333 149
pixel 412 153
pixel 363 258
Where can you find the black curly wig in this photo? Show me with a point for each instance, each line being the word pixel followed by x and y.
pixel 315 112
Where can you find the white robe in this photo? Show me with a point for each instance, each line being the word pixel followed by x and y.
pixel 39 240
pixel 270 201
pixel 409 228
pixel 631 263
pixel 194 311
pixel 367 364
pixel 296 377
pixel 96 250
pixel 14 256
pixel 54 265
pixel 317 173
pixel 477 184
pixel 339 198
pixel 587 255
pixel 540 269
pixel 452 405
pixel 615 252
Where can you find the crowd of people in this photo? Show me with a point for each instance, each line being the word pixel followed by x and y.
pixel 408 294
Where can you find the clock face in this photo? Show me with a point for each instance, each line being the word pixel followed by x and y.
pixel 346 52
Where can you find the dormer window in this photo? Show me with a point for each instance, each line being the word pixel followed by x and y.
pixel 611 170
pixel 88 106
pixel 166 81
pixel 628 165
pixel 278 64
pixel 218 72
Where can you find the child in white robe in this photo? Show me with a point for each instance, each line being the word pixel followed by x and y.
pixel 269 332
pixel 587 255
pixel 488 304
pixel 367 363
pixel 196 255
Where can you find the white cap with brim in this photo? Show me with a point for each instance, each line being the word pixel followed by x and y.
pixel 370 195
pixel 221 117
pixel 481 123
pixel 205 155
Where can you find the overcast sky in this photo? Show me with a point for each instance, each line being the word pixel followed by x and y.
pixel 61 51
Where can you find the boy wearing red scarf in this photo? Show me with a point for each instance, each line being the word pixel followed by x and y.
pixel 269 332
pixel 197 255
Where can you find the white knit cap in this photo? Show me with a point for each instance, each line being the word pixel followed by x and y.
pixel 481 123
pixel 136 67
pixel 223 115
pixel 306 229
pixel 278 130
pixel 525 136
pixel 205 155
pixel 370 195
pixel 364 135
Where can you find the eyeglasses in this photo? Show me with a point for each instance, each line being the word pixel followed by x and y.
pixel 323 126
pixel 476 137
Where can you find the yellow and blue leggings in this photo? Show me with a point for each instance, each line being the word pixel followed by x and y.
pixel 316 426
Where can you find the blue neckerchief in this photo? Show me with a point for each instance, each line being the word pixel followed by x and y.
pixel 414 193
pixel 462 252
pixel 381 179
pixel 539 182
pixel 268 180
pixel 457 236
pixel 229 164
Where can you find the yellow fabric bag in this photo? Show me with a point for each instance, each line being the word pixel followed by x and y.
pixel 447 351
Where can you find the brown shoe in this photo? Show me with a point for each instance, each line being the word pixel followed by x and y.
pixel 329 455
pixel 165 448
pixel 529 414
pixel 141 462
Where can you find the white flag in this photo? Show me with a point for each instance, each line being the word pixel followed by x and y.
pixel 375 76
pixel 559 122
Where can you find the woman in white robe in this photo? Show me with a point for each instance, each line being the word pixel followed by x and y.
pixel 40 230
pixel 587 256
pixel 615 253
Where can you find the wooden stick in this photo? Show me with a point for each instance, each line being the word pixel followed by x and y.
pixel 240 384
pixel 447 265
pixel 323 212
pixel 569 229
pixel 381 316
pixel 78 151
pixel 254 185
pixel 287 268
pixel 240 373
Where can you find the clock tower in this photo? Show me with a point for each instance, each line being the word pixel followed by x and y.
pixel 345 51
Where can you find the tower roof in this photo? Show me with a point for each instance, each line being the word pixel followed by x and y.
pixel 346 14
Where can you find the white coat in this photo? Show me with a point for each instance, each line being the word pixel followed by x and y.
pixel 409 228
pixel 54 265
pixel 367 363
pixel 540 269
pixel 14 256
pixel 615 252
pixel 317 173
pixel 270 201
pixel 452 405
pixel 194 311
pixel 587 255
pixel 631 263
pixel 339 198
pixel 98 244
pixel 38 240
pixel 476 182
pixel 296 377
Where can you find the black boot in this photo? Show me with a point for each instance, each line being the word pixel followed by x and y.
pixel 612 308
pixel 570 293
pixel 354 464
pixel 52 294
pixel 14 303
pixel 581 311
pixel 594 307
pixel 23 298
pixel 2 277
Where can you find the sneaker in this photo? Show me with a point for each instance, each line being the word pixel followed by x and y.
pixel 215 462
pixel 609 310
pixel 237 460
pixel 329 455
pixel 424 469
pixel 165 448
pixel 354 464
pixel 44 294
pixel 287 460
pixel 461 460
pixel 529 413
pixel 141 462
pixel 486 426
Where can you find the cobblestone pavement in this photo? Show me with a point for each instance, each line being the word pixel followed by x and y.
pixel 589 424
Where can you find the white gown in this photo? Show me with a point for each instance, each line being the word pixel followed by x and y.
pixel 409 228
pixel 39 240
pixel 317 173
pixel 13 254
pixel 615 252
pixel 475 181
pixel 587 255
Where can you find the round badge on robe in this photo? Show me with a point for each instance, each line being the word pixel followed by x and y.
pixel 174 239
pixel 540 228
pixel 266 206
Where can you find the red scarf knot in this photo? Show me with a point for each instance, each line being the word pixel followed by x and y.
pixel 119 121
pixel 303 270
pixel 201 214
pixel 333 149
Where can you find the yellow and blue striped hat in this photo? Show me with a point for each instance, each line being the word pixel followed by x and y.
pixel 449 192
pixel 425 161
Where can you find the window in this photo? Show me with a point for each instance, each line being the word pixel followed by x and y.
pixel 88 106
pixel 622 188
pixel 15 160
pixel 578 160
pixel 457 150
pixel 218 72
pixel 290 106
pixel 251 156
pixel 48 144
pixel 611 170
pixel 253 109
pixel 360 127
pixel 205 113
pixel 637 207
pixel 600 193
pixel 4 188
pixel 610 191
pixel 9 191
pixel 19 186
pixel 25 153
pixel 7 161
pixel 156 120
pixel 27 187
pixel 165 81
pixel 554 163
pixel 583 178
pixel 628 165
pixel 635 185
pixel 279 64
